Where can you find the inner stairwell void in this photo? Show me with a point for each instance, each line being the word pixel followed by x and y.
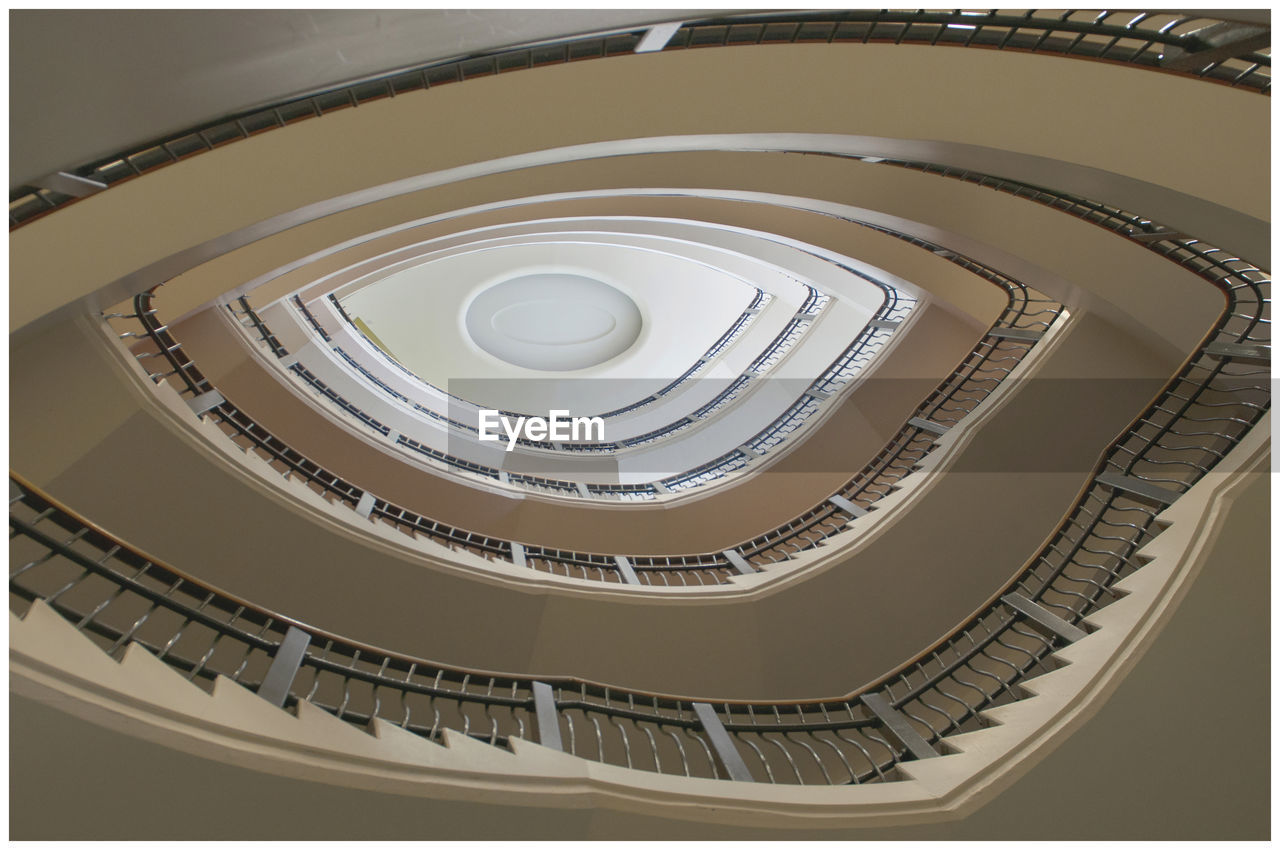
pixel 883 555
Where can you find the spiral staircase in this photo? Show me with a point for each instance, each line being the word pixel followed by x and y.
pixel 932 501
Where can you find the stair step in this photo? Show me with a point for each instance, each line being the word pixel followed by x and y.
pixel 330 732
pixel 1118 614
pixel 547 761
pixel 403 745
pixel 43 633
pixel 146 677
pixel 1013 715
pixel 236 706
pixel 476 755
pixel 938 775
pixel 969 742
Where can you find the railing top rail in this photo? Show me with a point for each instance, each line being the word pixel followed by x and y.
pixel 365 650
pixel 1170 42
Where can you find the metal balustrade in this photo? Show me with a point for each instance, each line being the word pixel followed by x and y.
pixel 893 310
pixel 311 319
pixel 726 339
pixel 1245 327
pixel 449 460
pixel 116 594
pixel 959 394
pixel 265 336
pixel 1208 48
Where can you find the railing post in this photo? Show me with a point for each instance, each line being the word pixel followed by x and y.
pixel 205 402
pixel 1016 333
pixel 69 184
pixel 657 36
pixel 847 506
pixel 1259 355
pixel 936 428
pixel 739 563
pixel 899 726
pixel 1144 490
pixel 721 743
pixel 1043 618
pixel 544 705
pixel 284 667
pixel 624 567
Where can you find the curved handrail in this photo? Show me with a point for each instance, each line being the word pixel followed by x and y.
pixel 894 309
pixel 758 303
pixel 909 446
pixel 772 353
pixel 1213 400
pixel 992 359
pixel 778 346
pixel 853 739
pixel 1169 42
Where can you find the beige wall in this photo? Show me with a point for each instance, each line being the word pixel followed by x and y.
pixel 630 97
pixel 1125 775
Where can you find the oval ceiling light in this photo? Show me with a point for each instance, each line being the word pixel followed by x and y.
pixel 553 322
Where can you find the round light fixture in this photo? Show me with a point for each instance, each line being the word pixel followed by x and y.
pixel 553 322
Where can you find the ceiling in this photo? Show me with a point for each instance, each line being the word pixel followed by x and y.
pixel 438 319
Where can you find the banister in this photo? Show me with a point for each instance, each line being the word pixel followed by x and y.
pixel 1240 320
pixel 1191 253
pixel 1026 33
pixel 770 547
pixel 863 346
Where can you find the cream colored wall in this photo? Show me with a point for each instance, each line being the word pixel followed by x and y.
pixel 219 61
pixel 1124 775
pixel 773 87
pixel 993 509
pixel 1110 283
pixel 430 612
pixel 790 486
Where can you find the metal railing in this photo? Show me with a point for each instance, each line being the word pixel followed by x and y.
pixel 726 339
pixel 246 313
pixel 1026 312
pixel 894 309
pixel 1024 319
pixel 1208 48
pixel 116 594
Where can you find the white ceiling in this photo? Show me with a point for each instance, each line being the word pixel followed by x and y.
pixel 419 314
pixel 552 322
